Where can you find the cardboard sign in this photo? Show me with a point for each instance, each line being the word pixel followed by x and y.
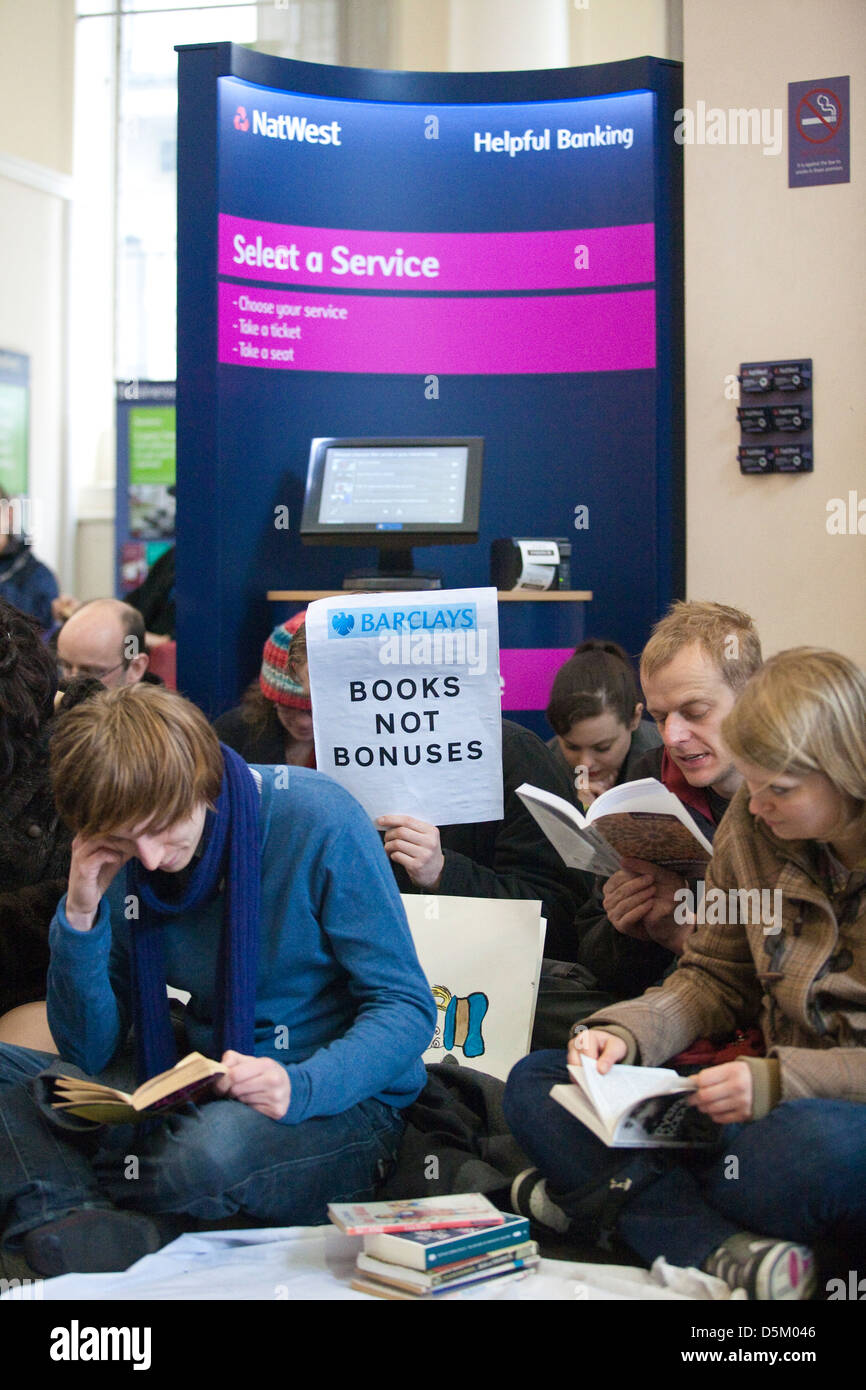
pixel 482 957
pixel 406 708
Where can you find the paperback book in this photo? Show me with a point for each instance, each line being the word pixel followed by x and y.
pixel 430 1249
pixel 637 820
pixel 636 1107
pixel 105 1105
pixel 520 1256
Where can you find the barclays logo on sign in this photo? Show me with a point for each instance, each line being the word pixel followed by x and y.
pixel 342 623
pixel 372 622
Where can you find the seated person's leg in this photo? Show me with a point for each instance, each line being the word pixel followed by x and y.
pixel 650 1198
pixel 45 1173
pixel 215 1160
pixel 800 1173
pixel 798 1177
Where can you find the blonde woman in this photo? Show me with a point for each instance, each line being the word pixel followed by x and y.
pixel 792 1124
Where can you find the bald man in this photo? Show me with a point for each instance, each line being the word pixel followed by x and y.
pixel 103 639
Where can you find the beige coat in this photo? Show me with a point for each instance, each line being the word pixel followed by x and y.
pixel 804 986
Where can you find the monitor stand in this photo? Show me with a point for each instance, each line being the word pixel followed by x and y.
pixel 394 573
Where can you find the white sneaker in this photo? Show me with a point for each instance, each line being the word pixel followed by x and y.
pixel 768 1269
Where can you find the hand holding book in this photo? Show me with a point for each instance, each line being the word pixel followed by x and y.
pixel 639 901
pixel 725 1093
pixel 259 1082
pixel 604 1048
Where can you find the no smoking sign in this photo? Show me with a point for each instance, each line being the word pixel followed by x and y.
pixel 819 115
pixel 819 132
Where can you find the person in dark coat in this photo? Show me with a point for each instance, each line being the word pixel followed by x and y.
pixel 34 843
pixel 24 581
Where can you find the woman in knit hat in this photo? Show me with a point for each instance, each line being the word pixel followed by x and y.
pixel 274 721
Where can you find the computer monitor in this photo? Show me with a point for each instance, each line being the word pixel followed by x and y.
pixel 394 494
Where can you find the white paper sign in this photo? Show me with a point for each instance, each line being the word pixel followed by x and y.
pixel 406 706
pixel 482 958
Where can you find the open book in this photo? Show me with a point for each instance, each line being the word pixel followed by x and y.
pixel 107 1106
pixel 636 1107
pixel 637 820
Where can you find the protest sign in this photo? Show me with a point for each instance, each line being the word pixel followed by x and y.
pixel 406 705
pixel 482 958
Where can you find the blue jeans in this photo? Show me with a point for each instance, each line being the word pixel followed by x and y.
pixel 208 1161
pixel 798 1174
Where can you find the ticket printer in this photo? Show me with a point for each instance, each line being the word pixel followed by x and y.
pixel 530 564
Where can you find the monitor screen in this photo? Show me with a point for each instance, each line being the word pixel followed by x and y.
pixel 400 491
pixel 391 486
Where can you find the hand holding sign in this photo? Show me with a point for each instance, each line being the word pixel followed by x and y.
pixel 414 844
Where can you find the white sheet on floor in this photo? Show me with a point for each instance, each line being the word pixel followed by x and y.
pixel 316 1262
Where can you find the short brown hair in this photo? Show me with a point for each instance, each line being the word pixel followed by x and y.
pixel 726 634
pixel 131 756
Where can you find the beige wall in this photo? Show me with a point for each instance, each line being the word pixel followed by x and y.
pixel 609 31
pixel 37 40
pixel 778 273
pixel 502 35
pixel 36 72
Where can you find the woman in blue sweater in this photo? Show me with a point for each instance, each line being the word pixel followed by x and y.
pixel 266 895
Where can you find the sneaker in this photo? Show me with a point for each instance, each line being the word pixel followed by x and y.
pixel 767 1269
pixel 94 1240
pixel 529 1197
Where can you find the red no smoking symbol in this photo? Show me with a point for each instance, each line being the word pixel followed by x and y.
pixel 819 115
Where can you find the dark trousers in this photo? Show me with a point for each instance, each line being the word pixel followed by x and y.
pixel 798 1174
pixel 208 1161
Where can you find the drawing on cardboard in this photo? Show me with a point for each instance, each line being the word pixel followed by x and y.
pixel 461 1025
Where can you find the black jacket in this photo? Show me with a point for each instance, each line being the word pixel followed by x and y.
pixel 512 858
pixel 34 867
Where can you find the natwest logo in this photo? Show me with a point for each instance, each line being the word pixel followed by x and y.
pixel 241 119
pixel 293 128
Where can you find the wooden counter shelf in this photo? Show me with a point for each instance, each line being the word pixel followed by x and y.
pixel 504 596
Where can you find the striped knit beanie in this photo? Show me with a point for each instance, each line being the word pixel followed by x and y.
pixel 276 680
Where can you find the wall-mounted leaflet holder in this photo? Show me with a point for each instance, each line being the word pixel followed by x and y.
pixel 776 407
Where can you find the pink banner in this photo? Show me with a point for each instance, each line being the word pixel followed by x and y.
pixel 342 257
pixel 527 674
pixel 490 336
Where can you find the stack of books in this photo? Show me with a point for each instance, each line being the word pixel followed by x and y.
pixel 433 1246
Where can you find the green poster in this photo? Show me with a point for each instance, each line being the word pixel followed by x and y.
pixel 151 444
pixel 13 437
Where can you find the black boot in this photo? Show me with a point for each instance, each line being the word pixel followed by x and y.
pixel 95 1240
